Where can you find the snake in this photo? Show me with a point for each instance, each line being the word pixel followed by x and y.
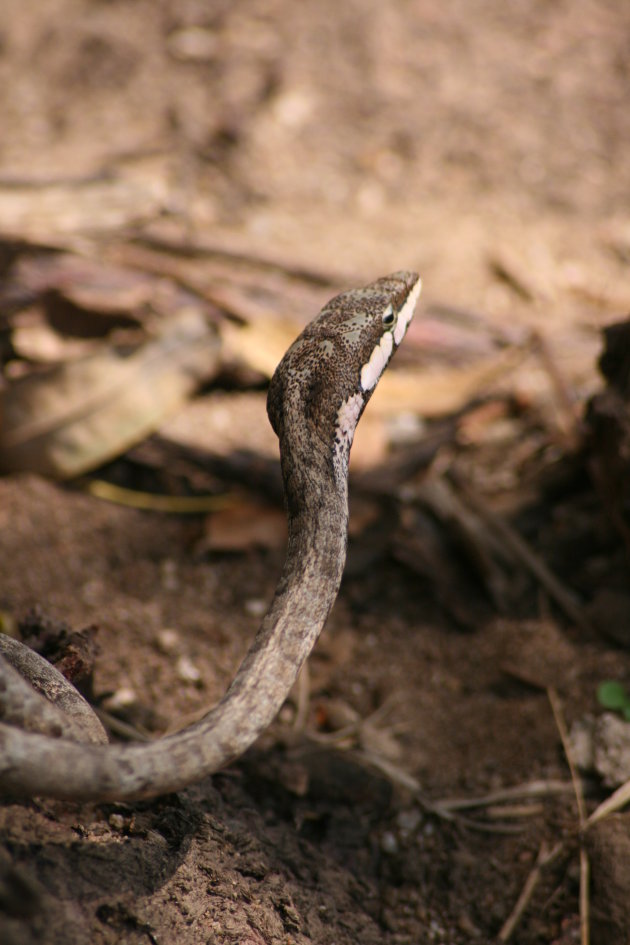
pixel 315 400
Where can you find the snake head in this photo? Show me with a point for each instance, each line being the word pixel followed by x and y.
pixel 324 381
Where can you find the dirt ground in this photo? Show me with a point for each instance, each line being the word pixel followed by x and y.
pixel 486 145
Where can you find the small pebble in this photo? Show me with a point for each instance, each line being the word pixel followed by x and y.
pixel 187 670
pixel 170 580
pixel 255 607
pixel 405 428
pixel 409 820
pixel 121 699
pixel 389 843
pixel 167 640
pixel 193 44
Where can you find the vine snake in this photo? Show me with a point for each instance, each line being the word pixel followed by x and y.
pixel 315 400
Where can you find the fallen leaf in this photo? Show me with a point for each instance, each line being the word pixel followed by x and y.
pixel 433 393
pixel 244 527
pixel 71 418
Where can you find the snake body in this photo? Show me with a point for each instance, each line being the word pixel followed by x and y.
pixel 316 398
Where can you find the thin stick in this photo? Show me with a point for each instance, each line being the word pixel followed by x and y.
pixel 407 781
pixel 530 790
pixel 527 557
pixel 303 700
pixel 566 403
pixel 615 802
pixel 545 858
pixel 121 728
pixel 556 708
pixel 585 875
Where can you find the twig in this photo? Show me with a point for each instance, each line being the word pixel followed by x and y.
pixel 615 802
pixel 514 274
pixel 533 789
pixel 556 708
pixel 514 811
pixel 545 858
pixel 240 255
pixel 352 730
pixel 303 701
pixel 442 498
pixel 528 558
pixel 123 729
pixel 566 403
pixel 404 779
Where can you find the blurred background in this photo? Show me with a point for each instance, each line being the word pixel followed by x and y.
pixel 484 144
pixel 362 136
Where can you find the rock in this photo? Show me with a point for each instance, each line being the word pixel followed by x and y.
pixel 608 847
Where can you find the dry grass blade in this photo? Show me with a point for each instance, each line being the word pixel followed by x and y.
pixel 567 409
pixel 120 728
pixel 407 781
pixel 303 700
pixel 556 708
pixel 545 858
pixel 149 501
pixel 531 790
pixel 235 250
pixel 611 805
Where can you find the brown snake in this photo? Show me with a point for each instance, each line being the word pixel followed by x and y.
pixel 316 398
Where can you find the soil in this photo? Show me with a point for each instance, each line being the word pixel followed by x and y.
pixel 485 144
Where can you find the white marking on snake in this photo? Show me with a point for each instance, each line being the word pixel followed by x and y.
pixel 406 312
pixel 348 417
pixel 371 371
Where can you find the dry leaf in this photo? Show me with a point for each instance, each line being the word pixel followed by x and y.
pixel 34 340
pixel 434 394
pixel 90 284
pixel 246 526
pixel 260 344
pixel 76 416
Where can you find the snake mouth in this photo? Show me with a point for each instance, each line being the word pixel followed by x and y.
pixel 406 312
pixel 378 361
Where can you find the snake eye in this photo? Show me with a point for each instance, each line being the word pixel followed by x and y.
pixel 388 316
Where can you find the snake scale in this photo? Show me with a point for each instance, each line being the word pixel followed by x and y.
pixel 316 398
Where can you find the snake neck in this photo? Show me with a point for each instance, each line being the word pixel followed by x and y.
pixel 317 507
